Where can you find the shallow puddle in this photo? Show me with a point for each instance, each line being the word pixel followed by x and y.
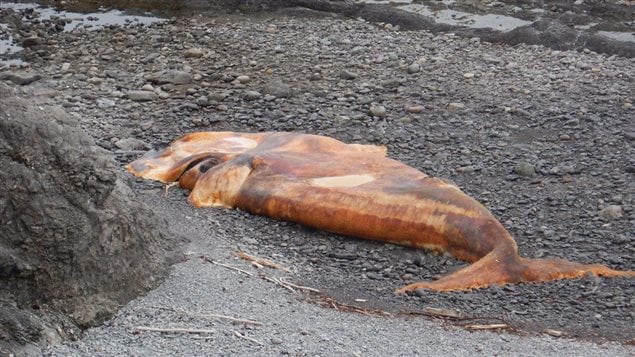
pixel 497 22
pixel 459 18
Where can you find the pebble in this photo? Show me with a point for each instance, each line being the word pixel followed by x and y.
pixel 271 29
pixel 378 110
pixel 454 106
pixel 243 79
pixel 32 41
pixel 130 144
pixel 468 75
pixel 348 75
pixel 149 58
pixel 611 212
pixel 202 101
pixel 20 78
pixel 252 95
pixel 170 76
pixel 278 89
pixel 105 103
pixel 218 96
pixel 142 96
pixel 415 109
pixel 525 169
pixel 414 68
pixel 193 53
pixel 148 87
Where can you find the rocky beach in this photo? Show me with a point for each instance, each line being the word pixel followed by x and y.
pixel 545 138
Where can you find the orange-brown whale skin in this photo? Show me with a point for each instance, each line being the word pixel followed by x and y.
pixel 354 190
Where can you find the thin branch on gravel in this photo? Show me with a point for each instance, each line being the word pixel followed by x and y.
pixel 173 330
pixel 210 260
pixel 238 334
pixel 440 312
pixel 261 261
pixel 486 327
pixel 169 186
pixel 290 286
pixel 278 282
pixel 217 316
pixel 208 315
pixel 299 287
pixel 338 306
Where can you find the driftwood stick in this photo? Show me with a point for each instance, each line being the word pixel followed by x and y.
pixel 208 315
pixel 234 319
pixel 281 281
pixel 210 260
pixel 299 287
pixel 278 282
pixel 169 186
pixel 238 334
pixel 261 261
pixel 486 327
pixel 173 330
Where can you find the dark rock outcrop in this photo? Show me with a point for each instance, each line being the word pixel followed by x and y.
pixel 75 244
pixel 556 35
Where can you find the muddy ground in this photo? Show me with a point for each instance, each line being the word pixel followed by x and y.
pixel 544 138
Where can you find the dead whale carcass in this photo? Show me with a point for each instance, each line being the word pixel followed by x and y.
pixel 353 190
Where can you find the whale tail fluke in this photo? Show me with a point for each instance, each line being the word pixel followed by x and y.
pixel 503 266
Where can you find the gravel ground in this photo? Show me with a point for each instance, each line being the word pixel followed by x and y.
pixel 292 323
pixel 544 138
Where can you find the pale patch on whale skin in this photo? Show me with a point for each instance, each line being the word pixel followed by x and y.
pixel 342 181
pixel 240 144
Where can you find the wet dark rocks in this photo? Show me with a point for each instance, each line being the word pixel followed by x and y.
pixel 170 76
pixel 561 37
pixel 20 78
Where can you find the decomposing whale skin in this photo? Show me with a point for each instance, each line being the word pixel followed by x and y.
pixel 354 190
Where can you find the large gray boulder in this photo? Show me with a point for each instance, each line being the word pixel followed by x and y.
pixel 74 243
